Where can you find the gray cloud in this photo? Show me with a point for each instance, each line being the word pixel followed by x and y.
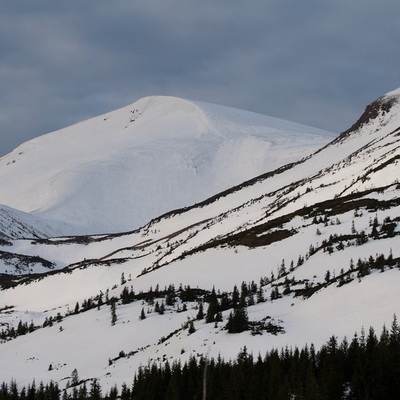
pixel 310 62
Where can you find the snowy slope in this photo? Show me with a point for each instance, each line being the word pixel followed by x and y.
pixel 117 171
pixel 300 230
pixel 17 224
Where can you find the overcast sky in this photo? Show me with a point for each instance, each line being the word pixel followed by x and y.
pixel 311 61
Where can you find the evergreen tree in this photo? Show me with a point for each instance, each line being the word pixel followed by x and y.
pixel 213 307
pixel 83 392
pixel 282 269
pixel 170 298
pixel 40 392
pixel 31 391
pixel 13 393
pixel 260 295
pixel 95 390
pixel 125 392
pixel 113 313
pixel 374 229
pixel 113 394
pixel 52 391
pixel 200 313
pixel 275 293
pixel 235 297
pixel 162 308
pixel 125 296
pixel 192 329
pixel 100 301
pixel 74 377
pixel 238 321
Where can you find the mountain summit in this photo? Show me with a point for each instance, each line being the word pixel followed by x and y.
pixel 117 171
pixel 379 112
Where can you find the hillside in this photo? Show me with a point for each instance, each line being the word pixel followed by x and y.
pixel 116 172
pixel 16 224
pixel 312 248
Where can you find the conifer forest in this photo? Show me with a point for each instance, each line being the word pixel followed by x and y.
pixel 366 367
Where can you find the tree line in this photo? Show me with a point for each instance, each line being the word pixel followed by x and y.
pixel 367 367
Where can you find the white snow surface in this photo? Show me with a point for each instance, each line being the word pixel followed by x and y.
pixel 16 224
pixel 117 171
pixel 363 163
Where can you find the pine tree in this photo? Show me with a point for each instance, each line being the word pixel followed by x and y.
pixel 95 390
pixel 260 295
pixel 192 329
pixel 113 313
pixel 170 298
pixel 125 297
pixel 200 314
pixel 327 276
pixel 235 297
pixel 162 308
pixel 374 229
pixel 83 392
pixel 52 391
pixel 213 307
pixel 353 228
pixel 113 394
pixel 275 293
pixel 125 392
pixel 238 321
pixel 100 301
pixel 13 391
pixel 282 269
pixel 31 391
pixel 74 377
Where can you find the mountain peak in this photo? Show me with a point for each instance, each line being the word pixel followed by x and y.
pixel 380 111
pixel 116 172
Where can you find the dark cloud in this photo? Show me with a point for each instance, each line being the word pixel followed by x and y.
pixel 309 61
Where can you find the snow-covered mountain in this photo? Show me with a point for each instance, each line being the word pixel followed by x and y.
pixel 16 224
pixel 117 171
pixel 313 248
